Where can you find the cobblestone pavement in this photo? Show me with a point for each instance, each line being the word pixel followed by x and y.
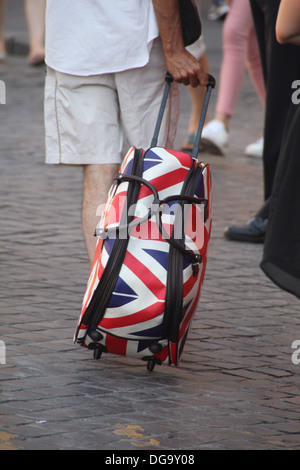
pixel 236 388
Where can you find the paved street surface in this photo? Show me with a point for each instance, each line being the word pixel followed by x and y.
pixel 236 387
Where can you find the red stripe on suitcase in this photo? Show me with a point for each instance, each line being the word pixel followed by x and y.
pixel 152 282
pixel 116 345
pixel 137 318
pixel 184 158
pixel 164 181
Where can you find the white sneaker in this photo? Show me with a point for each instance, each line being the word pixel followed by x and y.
pixel 215 137
pixel 218 12
pixel 255 149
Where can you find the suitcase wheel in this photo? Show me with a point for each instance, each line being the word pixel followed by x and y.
pixel 150 365
pixel 155 348
pixel 151 361
pixel 97 353
pixel 98 349
pixel 95 335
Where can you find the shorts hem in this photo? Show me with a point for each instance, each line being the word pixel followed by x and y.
pixel 49 161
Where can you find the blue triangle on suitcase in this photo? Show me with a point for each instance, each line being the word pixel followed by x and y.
pixel 122 294
pixel 123 288
pixel 152 155
pixel 149 164
pixel 151 159
pixel 160 256
pixel 118 300
pixel 154 332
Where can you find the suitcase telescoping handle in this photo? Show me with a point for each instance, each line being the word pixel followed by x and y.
pixel 211 84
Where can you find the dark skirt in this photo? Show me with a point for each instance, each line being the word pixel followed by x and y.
pixel 281 257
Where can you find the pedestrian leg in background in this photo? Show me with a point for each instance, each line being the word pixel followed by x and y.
pixel 240 50
pixel 35 17
pixel 196 96
pixel 2 38
pixel 218 10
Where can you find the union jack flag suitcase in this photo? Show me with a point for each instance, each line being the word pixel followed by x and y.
pixel 151 254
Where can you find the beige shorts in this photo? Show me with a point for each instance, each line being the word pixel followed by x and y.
pixel 198 48
pixel 90 120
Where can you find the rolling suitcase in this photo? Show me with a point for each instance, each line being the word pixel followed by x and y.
pixel 151 253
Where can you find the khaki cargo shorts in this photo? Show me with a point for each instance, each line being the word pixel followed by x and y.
pixel 92 120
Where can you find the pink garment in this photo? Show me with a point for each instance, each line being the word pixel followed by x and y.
pixel 240 50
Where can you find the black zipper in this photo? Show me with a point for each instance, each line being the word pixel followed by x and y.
pixel 174 289
pixel 101 297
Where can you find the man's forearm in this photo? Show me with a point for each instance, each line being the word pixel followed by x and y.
pixel 180 63
pixel 169 24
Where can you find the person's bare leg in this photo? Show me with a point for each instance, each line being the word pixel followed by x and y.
pixel 225 118
pixel 2 18
pixel 197 98
pixel 97 180
pixel 35 17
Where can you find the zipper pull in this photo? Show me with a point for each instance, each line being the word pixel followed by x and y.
pixel 101 233
pixel 195 265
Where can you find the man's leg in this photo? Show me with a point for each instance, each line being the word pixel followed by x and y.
pixel 35 16
pixel 2 38
pixel 97 180
pixel 83 129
